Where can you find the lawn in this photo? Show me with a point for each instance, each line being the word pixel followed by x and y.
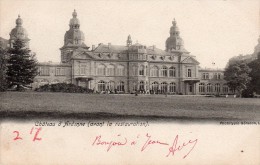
pixel 37 104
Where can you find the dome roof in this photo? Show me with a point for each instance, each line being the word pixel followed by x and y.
pixel 19 32
pixel 74 34
pixel 19 21
pixel 74 20
pixel 174 29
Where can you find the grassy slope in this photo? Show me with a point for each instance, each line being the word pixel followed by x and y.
pixel 171 106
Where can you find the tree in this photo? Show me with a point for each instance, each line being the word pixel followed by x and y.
pixel 255 75
pixel 237 76
pixel 3 68
pixel 22 65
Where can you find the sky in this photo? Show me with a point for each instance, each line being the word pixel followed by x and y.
pixel 212 30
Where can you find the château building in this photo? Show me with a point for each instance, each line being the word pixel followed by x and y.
pixel 126 68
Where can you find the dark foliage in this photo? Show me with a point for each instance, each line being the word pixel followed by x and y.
pixel 237 76
pixel 255 75
pixel 21 67
pixel 3 68
pixel 63 87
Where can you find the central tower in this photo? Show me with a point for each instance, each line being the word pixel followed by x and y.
pixel 174 42
pixel 73 39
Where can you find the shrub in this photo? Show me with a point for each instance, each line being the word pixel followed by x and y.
pixel 63 87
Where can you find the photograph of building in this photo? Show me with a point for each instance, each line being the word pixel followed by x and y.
pixel 128 68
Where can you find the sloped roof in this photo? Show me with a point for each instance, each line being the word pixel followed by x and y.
pixel 111 48
pixel 53 64
pixel 153 50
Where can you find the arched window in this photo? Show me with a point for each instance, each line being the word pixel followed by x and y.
pixel 141 70
pixel 111 85
pixel 155 86
pixel 164 71
pixel 120 70
pixel 189 72
pixel 120 86
pixel 209 88
pixel 164 87
pixel 172 71
pixel 101 70
pixel 155 71
pixel 172 87
pixel 111 70
pixel 141 86
pixel 225 88
pixel 217 87
pixel 201 87
pixel 101 86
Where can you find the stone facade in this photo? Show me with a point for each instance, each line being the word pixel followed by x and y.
pixel 127 68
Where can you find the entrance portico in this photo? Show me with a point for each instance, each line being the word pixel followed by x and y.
pixel 190 86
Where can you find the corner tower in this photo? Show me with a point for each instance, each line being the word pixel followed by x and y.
pixel 174 42
pixel 19 33
pixel 73 39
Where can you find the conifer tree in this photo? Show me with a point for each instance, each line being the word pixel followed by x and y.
pixel 22 65
pixel 3 68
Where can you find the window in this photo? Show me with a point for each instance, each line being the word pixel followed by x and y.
pixel 189 72
pixel 141 70
pixel 155 71
pixel 44 71
pixel 111 85
pixel 209 88
pixel 120 70
pixel 164 87
pixel 225 88
pixel 205 76
pixel 172 71
pixel 120 86
pixel 83 69
pixel 134 70
pixel 60 71
pixel 111 70
pixel 141 86
pixel 172 87
pixel 155 86
pixel 101 86
pixel 201 87
pixel 217 87
pixel 101 70
pixel 164 71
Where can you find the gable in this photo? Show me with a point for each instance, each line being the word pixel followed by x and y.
pixel 190 60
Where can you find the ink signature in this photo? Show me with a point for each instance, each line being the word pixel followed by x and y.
pixel 146 142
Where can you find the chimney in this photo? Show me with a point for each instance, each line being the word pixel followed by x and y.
pixel 93 47
pixel 109 45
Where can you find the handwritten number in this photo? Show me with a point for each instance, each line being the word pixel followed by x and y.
pixel 17 136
